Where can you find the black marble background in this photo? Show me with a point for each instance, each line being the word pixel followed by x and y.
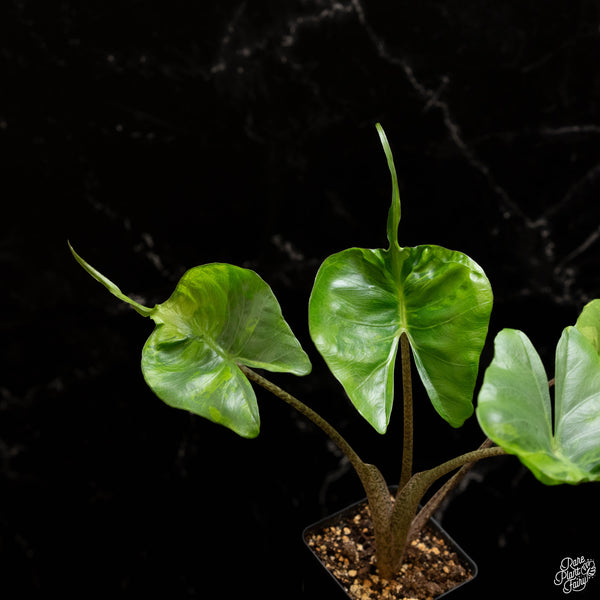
pixel 161 135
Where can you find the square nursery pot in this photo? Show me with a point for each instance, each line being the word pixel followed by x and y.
pixel 434 565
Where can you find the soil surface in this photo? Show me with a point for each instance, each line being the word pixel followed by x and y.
pixel 347 548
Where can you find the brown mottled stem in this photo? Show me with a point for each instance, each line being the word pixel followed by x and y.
pixel 391 521
pixel 407 446
pixel 433 503
pixel 375 486
pixel 408 499
pixel 319 421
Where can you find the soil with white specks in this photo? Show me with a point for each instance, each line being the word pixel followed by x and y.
pixel 431 566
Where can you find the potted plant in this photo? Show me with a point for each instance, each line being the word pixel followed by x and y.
pixel 222 322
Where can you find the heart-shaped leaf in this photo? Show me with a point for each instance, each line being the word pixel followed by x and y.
pixel 219 316
pixel 364 300
pixel 514 407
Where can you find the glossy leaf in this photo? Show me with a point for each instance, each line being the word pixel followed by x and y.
pixel 589 323
pixel 363 300
pixel 514 407
pixel 219 316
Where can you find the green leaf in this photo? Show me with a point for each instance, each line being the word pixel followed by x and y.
pixel 514 407
pixel 218 317
pixel 589 323
pixel 514 402
pixel 363 300
pixel 577 419
pixel 359 309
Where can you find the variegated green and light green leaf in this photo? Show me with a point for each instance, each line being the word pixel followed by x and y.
pixel 514 407
pixel 218 317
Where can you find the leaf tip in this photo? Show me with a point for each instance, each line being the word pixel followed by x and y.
pixel 394 212
pixel 109 285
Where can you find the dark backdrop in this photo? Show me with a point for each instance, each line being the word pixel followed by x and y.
pixel 161 135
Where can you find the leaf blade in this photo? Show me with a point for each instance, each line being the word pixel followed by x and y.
pixel 514 398
pixel 514 407
pixel 448 301
pixel 361 304
pixel 219 316
pixel 349 336
pixel 194 377
pixel 577 417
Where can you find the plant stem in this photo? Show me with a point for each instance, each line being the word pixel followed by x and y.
pixel 319 421
pixel 407 446
pixel 430 476
pixel 392 522
pixel 371 478
pixel 408 499
pixel 432 504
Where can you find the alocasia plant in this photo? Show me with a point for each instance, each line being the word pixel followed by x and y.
pixel 222 321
